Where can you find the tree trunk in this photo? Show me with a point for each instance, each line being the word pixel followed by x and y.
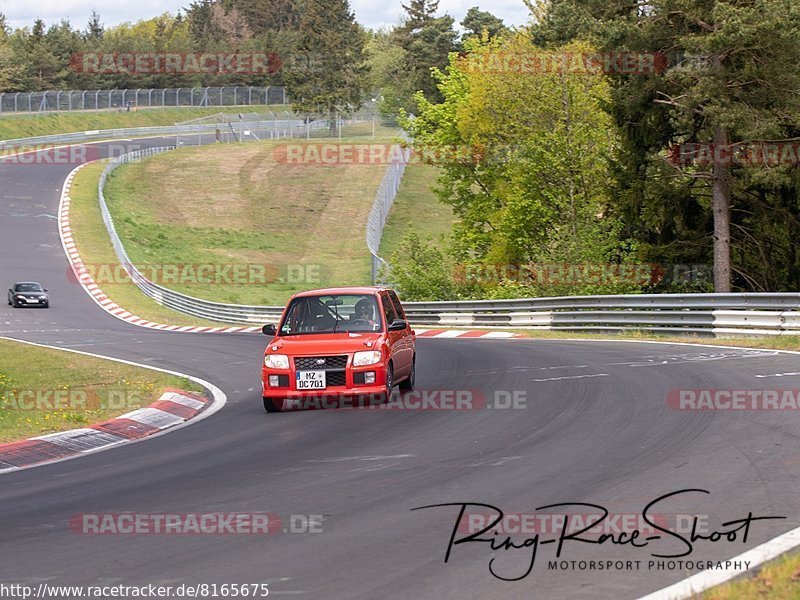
pixel 721 206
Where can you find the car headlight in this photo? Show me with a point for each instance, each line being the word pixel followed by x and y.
pixel 276 361
pixel 369 357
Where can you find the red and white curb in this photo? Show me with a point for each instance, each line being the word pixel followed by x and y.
pixel 175 407
pixel 464 333
pixel 97 294
pixel 174 410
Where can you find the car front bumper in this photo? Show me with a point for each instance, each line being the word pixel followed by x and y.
pixel 32 301
pixel 349 390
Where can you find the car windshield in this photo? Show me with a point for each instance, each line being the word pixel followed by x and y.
pixel 28 287
pixel 332 314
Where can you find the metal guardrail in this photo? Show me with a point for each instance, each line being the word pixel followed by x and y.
pixel 73 100
pixel 705 314
pixel 268 129
pixel 244 129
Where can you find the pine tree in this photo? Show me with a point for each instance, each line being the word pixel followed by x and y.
pixel 427 41
pixel 730 79
pixel 419 13
pixel 327 74
pixel 94 30
pixel 477 21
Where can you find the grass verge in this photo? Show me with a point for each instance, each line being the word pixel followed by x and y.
pixel 44 391
pixel 778 579
pixel 94 246
pixel 14 126
pixel 288 226
pixel 416 207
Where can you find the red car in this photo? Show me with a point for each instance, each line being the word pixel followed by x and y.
pixel 351 342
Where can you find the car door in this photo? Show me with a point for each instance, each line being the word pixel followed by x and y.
pixel 395 338
pixel 408 333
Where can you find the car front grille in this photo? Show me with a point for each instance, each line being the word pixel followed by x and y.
pixel 334 378
pixel 310 363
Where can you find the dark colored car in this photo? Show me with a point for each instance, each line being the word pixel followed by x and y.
pixel 338 342
pixel 28 293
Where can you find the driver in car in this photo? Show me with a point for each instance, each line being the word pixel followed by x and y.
pixel 364 312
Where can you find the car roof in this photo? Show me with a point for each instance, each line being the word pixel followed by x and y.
pixel 27 283
pixel 341 290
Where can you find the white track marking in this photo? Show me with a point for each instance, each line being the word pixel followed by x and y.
pixel 574 377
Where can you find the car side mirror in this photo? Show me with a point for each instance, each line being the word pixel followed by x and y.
pixel 45 289
pixel 398 325
pixel 269 329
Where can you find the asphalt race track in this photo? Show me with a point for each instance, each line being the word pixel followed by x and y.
pixel 595 428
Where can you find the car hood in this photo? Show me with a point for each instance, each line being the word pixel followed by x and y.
pixel 325 343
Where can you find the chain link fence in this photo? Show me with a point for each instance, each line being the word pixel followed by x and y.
pixel 66 100
pixel 382 205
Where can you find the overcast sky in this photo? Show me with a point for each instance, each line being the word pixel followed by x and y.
pixel 370 13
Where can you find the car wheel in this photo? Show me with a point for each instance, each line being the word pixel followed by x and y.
pixel 407 384
pixel 46 305
pixel 387 394
pixel 273 405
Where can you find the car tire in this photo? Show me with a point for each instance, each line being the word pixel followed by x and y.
pixel 407 385
pixel 46 305
pixel 273 405
pixel 387 394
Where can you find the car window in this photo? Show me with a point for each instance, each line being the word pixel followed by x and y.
pixel 331 314
pixel 398 308
pixel 388 310
pixel 28 287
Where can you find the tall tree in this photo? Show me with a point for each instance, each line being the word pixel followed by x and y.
pixel 204 29
pixel 327 74
pixel 427 40
pixel 731 79
pixel 268 16
pixel 8 72
pixel 523 158
pixel 419 13
pixel 95 29
pixel 476 21
pixel 388 78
